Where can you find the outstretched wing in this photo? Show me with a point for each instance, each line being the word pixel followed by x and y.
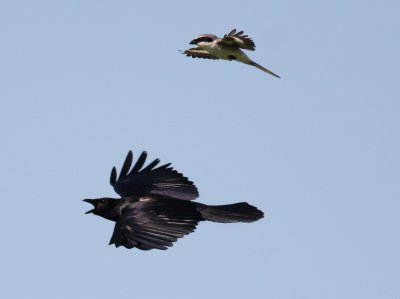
pixel 199 53
pixel 147 181
pixel 154 224
pixel 238 39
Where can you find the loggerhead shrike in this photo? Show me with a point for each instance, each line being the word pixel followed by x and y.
pixel 210 46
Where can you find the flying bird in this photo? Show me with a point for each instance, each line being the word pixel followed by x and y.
pixel 156 207
pixel 210 46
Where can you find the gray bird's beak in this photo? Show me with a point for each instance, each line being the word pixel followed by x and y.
pixel 89 201
pixel 192 42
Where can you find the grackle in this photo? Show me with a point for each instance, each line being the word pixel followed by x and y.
pixel 156 207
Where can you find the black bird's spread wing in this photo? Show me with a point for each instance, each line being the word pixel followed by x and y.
pixel 147 181
pixel 238 39
pixel 199 53
pixel 154 224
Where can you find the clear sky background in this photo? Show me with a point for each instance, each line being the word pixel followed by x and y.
pixel 83 82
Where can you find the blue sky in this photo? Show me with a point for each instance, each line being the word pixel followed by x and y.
pixel 83 82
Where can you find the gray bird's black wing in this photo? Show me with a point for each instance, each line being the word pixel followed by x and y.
pixel 199 53
pixel 154 224
pixel 238 39
pixel 141 181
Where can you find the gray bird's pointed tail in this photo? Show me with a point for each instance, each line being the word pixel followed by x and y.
pixel 263 68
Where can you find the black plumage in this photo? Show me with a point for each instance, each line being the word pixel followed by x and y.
pixel 156 207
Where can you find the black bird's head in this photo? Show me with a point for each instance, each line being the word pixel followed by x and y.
pixel 205 38
pixel 104 207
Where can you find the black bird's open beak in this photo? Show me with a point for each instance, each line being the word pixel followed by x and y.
pixel 89 201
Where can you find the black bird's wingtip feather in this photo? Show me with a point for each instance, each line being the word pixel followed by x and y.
pixel 139 163
pixel 113 176
pixel 126 166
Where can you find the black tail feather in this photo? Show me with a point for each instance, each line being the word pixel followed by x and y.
pixel 237 212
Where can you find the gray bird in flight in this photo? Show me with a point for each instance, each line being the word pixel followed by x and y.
pixel 210 46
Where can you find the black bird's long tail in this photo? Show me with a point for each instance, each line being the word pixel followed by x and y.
pixel 237 212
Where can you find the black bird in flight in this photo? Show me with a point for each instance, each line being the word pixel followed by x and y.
pixel 156 207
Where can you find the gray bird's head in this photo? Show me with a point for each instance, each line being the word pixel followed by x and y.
pixel 207 38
